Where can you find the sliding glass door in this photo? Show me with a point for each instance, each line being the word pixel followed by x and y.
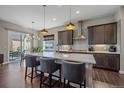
pixel 18 43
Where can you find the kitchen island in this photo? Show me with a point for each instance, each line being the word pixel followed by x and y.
pixel 87 59
pixel 104 59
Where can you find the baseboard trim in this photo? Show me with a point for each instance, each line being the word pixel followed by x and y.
pixel 121 72
pixel 5 63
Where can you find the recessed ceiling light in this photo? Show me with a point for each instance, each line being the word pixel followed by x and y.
pixel 54 19
pixel 77 12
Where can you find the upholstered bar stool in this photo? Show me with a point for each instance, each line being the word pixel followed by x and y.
pixel 31 62
pixel 49 66
pixel 74 72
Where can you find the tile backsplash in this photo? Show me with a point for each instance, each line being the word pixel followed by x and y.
pixel 102 47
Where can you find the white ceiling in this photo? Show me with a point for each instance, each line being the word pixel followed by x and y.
pixel 24 14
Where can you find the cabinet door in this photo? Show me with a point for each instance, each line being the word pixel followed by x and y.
pixel 100 60
pixel 59 38
pixel 65 37
pixel 108 61
pixel 70 37
pixel 99 34
pixel 110 34
pixel 114 62
pixel 90 35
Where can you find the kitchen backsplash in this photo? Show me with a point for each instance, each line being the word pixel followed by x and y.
pixel 95 47
pixel 100 47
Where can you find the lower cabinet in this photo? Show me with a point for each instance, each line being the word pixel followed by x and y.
pixel 107 61
pixel 1 58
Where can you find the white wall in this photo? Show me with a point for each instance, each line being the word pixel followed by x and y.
pixel 122 41
pixel 4 43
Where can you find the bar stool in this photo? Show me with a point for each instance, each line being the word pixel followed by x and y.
pixel 49 66
pixel 74 72
pixel 31 62
pixel 22 57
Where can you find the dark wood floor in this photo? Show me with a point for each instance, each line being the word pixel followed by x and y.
pixel 12 76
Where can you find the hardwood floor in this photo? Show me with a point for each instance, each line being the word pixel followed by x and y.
pixel 12 76
pixel 107 78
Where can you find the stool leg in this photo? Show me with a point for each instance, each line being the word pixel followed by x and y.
pixel 50 80
pixel 20 61
pixel 26 72
pixel 84 83
pixel 32 69
pixel 60 75
pixel 64 82
pixel 68 84
pixel 41 79
pixel 80 86
pixel 36 70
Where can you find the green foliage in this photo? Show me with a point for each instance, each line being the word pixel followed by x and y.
pixel 37 49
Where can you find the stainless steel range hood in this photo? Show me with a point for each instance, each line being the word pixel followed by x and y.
pixel 80 31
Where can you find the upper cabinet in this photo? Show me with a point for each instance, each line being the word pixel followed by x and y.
pixel 111 33
pixel 65 37
pixel 98 35
pixel 102 34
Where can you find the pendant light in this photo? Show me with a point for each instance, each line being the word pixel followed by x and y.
pixel 70 26
pixel 34 36
pixel 44 31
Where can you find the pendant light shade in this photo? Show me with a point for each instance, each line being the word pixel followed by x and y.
pixel 82 37
pixel 44 31
pixel 35 36
pixel 70 26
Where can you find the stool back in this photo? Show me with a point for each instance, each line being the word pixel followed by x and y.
pixel 31 61
pixel 74 72
pixel 48 65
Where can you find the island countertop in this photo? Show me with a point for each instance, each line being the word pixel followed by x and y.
pixel 84 58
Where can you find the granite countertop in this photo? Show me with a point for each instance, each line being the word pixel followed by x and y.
pixel 87 52
pixel 76 57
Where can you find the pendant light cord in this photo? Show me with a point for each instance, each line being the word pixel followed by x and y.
pixel 44 14
pixel 70 12
pixel 32 25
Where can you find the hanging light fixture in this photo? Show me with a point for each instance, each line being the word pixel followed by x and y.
pixel 70 26
pixel 34 36
pixel 44 31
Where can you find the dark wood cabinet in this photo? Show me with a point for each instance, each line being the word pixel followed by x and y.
pixel 107 61
pixel 110 33
pixel 1 58
pixel 103 34
pixel 99 34
pixel 65 37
